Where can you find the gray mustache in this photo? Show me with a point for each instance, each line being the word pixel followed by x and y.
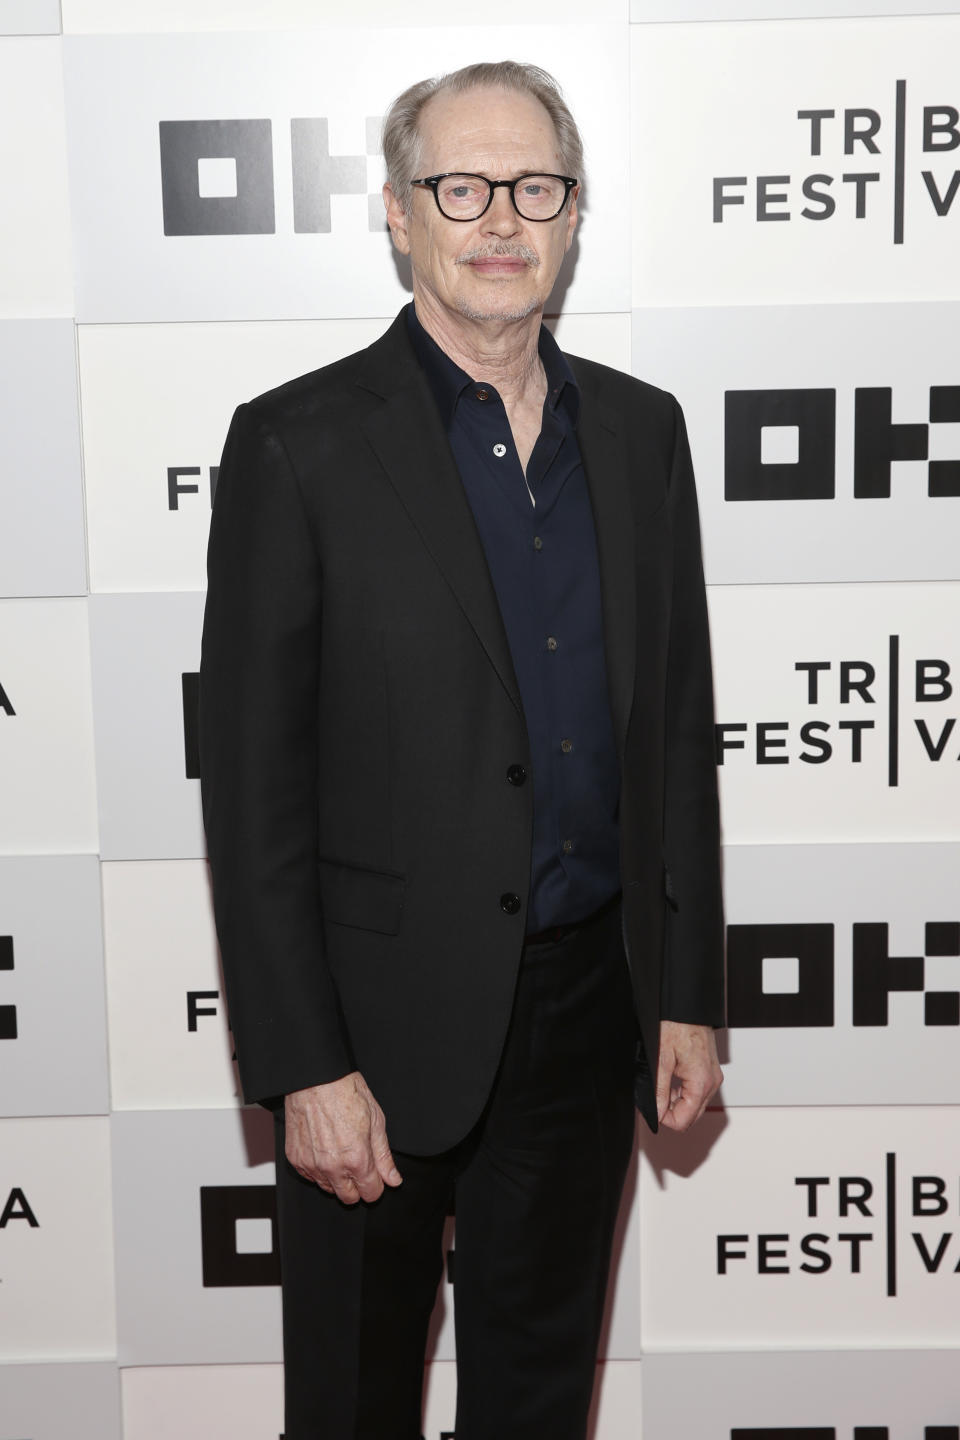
pixel 502 250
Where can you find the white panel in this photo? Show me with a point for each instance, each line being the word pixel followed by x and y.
pixel 604 338
pixel 29 17
pixel 179 1402
pixel 857 384
pixel 53 1042
pixel 56 1248
pixel 169 1041
pixel 41 512
pixel 157 399
pixel 789 757
pixel 50 1402
pixel 245 258
pixel 167 1314
pixel 35 271
pixel 616 1402
pixel 742 1249
pixel 156 16
pixel 811 1396
pixel 440 1401
pixel 142 647
pixel 715 102
pixel 46 759
pixel 822 905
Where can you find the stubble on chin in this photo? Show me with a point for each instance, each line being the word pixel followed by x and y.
pixel 517 311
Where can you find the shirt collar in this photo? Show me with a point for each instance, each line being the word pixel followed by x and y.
pixel 448 381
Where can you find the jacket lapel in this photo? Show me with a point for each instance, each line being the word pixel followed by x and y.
pixel 604 460
pixel 407 436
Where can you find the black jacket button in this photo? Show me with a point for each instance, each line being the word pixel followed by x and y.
pixel 516 774
pixel 509 903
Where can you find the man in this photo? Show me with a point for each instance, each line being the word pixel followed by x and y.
pixel 457 756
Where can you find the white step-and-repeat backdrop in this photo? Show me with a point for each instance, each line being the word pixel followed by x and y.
pixel 191 214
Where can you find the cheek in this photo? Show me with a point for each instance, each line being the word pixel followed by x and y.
pixel 551 256
pixel 445 259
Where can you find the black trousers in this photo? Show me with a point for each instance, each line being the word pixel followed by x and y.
pixel 535 1186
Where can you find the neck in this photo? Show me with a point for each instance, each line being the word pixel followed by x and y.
pixel 503 352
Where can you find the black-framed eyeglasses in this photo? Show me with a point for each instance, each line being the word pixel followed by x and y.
pixel 466 197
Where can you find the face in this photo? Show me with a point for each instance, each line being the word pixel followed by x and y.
pixel 500 267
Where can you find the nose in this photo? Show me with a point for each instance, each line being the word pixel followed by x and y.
pixel 501 218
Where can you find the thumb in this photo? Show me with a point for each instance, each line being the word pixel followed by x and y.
pixel 386 1165
pixel 382 1156
pixel 379 1146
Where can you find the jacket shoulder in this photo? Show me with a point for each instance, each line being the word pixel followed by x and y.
pixel 329 392
pixel 314 393
pixel 627 399
pixel 620 391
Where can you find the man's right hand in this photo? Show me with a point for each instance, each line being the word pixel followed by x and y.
pixel 337 1137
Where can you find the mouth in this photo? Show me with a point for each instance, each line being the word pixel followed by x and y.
pixel 500 264
pixel 497 265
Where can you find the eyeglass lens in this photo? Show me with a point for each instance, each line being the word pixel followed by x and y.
pixel 464 197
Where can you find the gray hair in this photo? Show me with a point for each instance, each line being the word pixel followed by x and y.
pixel 401 133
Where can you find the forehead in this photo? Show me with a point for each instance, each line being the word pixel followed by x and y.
pixel 485 127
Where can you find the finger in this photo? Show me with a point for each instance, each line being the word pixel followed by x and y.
pixel 315 1176
pixel 361 1169
pixel 682 1112
pixel 690 1102
pixel 370 1187
pixel 321 1182
pixel 346 1191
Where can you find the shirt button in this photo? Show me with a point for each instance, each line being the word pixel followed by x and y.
pixel 509 903
pixel 537 543
pixel 499 451
pixel 552 642
pixel 566 746
pixel 483 394
pixel 516 774
pixel 567 846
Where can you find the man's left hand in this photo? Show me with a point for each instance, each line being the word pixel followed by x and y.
pixel 688 1075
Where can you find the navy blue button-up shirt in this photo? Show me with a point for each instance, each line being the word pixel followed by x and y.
pixel 538 535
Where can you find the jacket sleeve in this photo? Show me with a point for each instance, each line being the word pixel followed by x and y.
pixel 259 676
pixel 692 983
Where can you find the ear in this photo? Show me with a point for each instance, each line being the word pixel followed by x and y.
pixel 396 219
pixel 572 217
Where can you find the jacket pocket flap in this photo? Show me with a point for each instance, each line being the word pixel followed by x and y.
pixel 367 899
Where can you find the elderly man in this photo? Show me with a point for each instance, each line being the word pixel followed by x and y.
pixel 460 795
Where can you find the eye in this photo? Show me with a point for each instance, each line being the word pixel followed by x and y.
pixel 460 188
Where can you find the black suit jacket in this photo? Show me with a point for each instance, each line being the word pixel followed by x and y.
pixel 358 716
